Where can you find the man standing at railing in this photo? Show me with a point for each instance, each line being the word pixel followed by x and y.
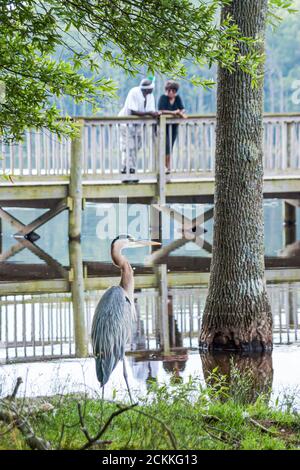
pixel 139 102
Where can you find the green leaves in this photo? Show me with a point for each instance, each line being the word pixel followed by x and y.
pixel 277 8
pixel 204 82
pixel 132 34
pixel 285 4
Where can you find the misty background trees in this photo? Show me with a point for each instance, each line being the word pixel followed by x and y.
pixel 282 76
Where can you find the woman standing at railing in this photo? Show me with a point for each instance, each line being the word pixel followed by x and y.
pixel 170 103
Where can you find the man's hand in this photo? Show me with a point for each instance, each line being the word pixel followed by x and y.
pixel 155 114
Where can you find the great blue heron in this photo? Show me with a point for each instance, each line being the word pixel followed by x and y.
pixel 114 314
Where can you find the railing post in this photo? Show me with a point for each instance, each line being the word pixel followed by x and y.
pixel 284 146
pixel 161 160
pixel 289 144
pixel 75 185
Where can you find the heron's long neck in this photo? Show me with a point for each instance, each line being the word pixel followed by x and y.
pixel 127 279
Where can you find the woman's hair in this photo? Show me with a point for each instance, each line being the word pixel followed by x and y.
pixel 171 84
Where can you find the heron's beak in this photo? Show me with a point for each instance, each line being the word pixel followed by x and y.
pixel 144 243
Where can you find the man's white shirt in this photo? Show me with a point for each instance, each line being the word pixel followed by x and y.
pixel 135 101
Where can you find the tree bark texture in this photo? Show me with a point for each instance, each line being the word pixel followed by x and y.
pixel 237 314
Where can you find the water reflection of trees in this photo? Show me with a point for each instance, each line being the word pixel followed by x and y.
pixel 246 377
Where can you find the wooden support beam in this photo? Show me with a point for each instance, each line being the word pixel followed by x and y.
pixel 289 214
pixel 291 250
pixel 22 244
pixel 289 223
pixel 32 191
pixel 77 290
pixel 188 226
pixel 11 252
pixel 75 186
pixel 162 282
pixel 163 252
pixel 185 190
pixel 154 223
pixel 203 244
pixel 14 222
pixel 190 230
pixel 41 220
pixel 293 202
pixel 202 218
pixel 41 254
pixel 175 279
pixel 34 287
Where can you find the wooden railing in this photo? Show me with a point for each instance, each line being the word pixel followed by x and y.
pixel 42 154
pixel 35 327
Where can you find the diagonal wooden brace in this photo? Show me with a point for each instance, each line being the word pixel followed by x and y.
pixel 189 228
pixel 28 231
pixel 12 251
pixel 191 231
pixel 37 251
pixel 14 222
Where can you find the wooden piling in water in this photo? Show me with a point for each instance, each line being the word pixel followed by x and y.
pixel 161 273
pixel 75 185
pixel 77 290
pixel 289 223
pixel 0 235
pixel 154 223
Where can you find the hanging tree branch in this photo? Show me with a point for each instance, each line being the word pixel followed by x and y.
pixel 126 33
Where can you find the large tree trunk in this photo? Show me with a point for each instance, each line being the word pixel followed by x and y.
pixel 246 376
pixel 237 313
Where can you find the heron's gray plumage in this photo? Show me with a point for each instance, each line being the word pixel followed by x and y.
pixel 111 331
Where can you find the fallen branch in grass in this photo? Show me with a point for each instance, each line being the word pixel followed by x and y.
pixel 223 436
pixel 261 427
pixel 95 440
pixel 162 423
pixel 9 414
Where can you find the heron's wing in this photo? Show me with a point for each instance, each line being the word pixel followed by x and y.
pixel 110 331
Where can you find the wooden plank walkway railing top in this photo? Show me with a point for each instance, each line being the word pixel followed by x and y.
pixel 42 156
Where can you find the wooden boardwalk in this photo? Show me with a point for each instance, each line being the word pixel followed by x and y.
pixel 42 166
pixel 45 172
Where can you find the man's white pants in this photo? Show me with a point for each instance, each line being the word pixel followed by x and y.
pixel 130 144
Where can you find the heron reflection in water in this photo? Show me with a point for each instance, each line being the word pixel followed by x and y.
pixel 114 314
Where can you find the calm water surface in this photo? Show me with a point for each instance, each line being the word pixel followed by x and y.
pixel 38 336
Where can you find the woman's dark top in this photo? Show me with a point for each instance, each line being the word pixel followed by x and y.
pixel 165 105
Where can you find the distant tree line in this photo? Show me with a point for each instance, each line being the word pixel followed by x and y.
pixel 282 77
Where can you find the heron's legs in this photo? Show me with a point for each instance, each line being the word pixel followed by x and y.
pixel 126 379
pixel 102 403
